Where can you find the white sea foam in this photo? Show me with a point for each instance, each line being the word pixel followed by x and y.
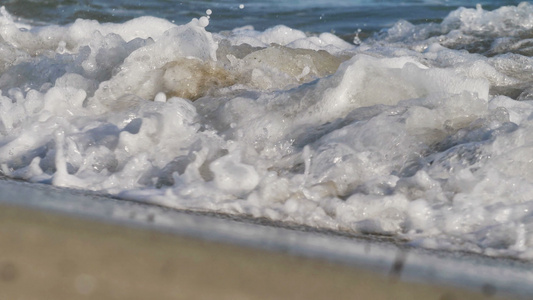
pixel 406 134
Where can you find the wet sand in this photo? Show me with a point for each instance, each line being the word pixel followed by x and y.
pixel 54 256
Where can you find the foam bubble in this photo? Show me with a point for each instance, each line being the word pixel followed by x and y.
pixel 233 176
pixel 203 21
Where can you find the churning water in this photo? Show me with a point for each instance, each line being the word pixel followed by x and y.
pixel 410 119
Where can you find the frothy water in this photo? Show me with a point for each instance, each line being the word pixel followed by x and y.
pixel 420 131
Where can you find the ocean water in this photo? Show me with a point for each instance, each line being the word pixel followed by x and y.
pixel 408 119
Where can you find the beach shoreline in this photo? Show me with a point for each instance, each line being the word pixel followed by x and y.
pixel 52 256
pixel 68 244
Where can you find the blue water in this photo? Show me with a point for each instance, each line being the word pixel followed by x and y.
pixel 343 17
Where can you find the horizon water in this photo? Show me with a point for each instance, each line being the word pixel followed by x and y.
pixel 412 120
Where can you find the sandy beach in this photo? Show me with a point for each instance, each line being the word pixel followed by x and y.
pixel 53 256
